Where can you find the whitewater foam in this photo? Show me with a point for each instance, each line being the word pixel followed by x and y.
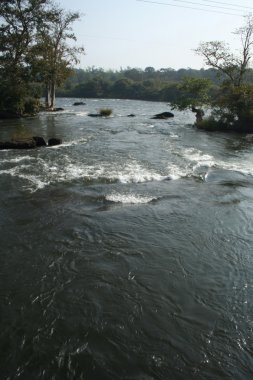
pixel 129 198
pixel 199 158
pixel 17 159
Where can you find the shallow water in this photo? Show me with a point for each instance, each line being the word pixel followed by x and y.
pixel 126 252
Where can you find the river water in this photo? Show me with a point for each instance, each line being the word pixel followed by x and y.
pixel 126 252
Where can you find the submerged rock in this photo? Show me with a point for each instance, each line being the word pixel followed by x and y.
pixel 94 115
pixel 57 109
pixel 163 115
pixel 54 141
pixel 46 109
pixel 131 115
pixel 79 104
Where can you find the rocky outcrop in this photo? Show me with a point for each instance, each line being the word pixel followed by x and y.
pixel 18 144
pixel 163 115
pixel 54 141
pixel 29 143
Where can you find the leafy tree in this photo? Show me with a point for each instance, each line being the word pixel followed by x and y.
pixel 53 56
pixel 17 34
pixel 194 94
pixel 34 37
pixel 232 105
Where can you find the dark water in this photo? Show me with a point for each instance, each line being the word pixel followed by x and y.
pixel 126 252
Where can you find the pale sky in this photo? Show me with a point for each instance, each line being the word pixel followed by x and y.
pixel 122 33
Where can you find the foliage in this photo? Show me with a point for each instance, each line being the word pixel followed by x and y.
pixel 151 84
pixel 53 57
pixel 17 32
pixel 105 112
pixel 194 92
pixel 232 104
pixel 33 48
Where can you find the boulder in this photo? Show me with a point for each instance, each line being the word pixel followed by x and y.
pixel 18 144
pixel 54 141
pixel 163 115
pixel 39 141
pixel 26 143
pixel 131 115
pixel 79 104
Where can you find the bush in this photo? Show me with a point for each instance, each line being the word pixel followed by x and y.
pixel 31 106
pixel 105 112
pixel 212 125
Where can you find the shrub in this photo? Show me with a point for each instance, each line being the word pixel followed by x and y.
pixel 31 106
pixel 105 112
pixel 210 124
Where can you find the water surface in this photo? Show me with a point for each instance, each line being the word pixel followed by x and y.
pixel 126 252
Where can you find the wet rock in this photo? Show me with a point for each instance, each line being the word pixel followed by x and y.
pixel 131 115
pixel 39 141
pixel 18 144
pixel 8 115
pixel 57 109
pixel 94 115
pixel 26 143
pixel 79 104
pixel 54 141
pixel 163 115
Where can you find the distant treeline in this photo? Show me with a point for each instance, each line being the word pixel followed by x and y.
pixel 133 83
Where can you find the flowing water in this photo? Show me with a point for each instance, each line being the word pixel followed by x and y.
pixel 127 251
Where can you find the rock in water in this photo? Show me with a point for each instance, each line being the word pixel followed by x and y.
pixel 79 104
pixel 57 109
pixel 27 143
pixel 54 141
pixel 39 141
pixel 163 115
pixel 18 144
pixel 94 115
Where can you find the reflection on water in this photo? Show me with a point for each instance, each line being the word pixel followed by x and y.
pixel 126 252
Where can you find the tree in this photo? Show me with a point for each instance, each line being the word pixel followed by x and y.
pixel 232 104
pixel 54 57
pixel 34 36
pixel 194 94
pixel 17 33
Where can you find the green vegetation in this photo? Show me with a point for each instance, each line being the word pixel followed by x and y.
pixel 34 53
pixel 106 112
pixel 147 84
pixel 231 102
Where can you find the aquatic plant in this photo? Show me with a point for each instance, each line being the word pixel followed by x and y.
pixel 105 112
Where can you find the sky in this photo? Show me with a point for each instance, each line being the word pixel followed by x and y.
pixel 136 33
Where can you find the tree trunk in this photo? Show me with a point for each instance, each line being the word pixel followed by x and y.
pixel 52 95
pixel 47 98
pixel 199 114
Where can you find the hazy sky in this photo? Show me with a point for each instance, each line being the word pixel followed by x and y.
pixel 121 33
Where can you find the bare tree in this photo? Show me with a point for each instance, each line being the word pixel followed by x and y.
pixel 217 54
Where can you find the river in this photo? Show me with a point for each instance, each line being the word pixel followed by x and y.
pixel 127 251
